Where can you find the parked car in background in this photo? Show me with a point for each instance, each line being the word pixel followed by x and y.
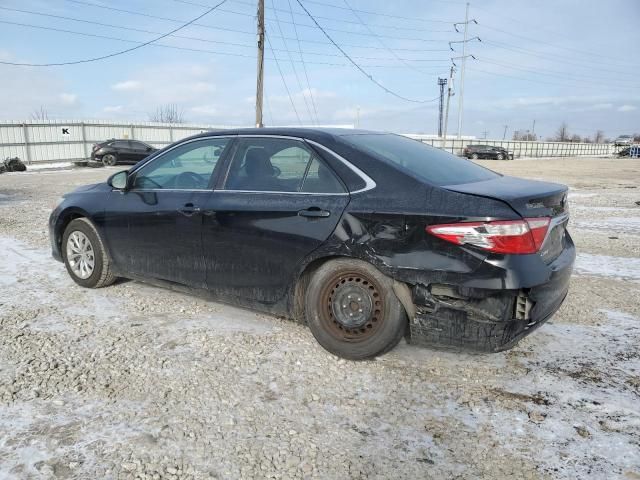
pixel 623 140
pixel 366 237
pixel 113 152
pixel 487 151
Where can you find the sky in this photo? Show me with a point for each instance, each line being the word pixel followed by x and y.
pixel 548 62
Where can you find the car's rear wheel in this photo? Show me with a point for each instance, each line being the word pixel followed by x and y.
pixel 352 310
pixel 474 156
pixel 500 156
pixel 84 255
pixel 109 160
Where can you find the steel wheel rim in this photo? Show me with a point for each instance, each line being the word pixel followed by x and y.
pixel 80 255
pixel 356 294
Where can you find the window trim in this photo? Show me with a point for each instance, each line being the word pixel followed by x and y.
pixel 369 183
pixel 211 185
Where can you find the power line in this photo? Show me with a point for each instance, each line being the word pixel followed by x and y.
pixel 386 15
pixel 556 74
pixel 333 19
pixel 114 54
pixel 373 80
pixel 304 65
pixel 283 81
pixel 555 58
pixel 384 45
pixel 185 37
pixel 295 72
pixel 536 40
pixel 226 29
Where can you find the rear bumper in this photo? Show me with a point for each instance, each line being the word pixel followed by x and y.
pixel 490 319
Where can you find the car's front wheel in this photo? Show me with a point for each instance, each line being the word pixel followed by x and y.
pixel 352 310
pixel 109 160
pixel 85 256
pixel 474 156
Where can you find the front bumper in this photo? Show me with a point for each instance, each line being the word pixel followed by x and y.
pixel 56 253
pixel 490 319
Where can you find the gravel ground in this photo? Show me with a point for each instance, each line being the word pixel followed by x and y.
pixel 134 381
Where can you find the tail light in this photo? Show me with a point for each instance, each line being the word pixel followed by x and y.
pixel 504 236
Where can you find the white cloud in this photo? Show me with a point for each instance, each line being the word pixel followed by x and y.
pixel 68 98
pixel 627 108
pixel 127 86
pixel 113 109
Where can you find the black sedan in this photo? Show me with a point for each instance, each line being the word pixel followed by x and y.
pixel 113 152
pixel 366 237
pixel 487 151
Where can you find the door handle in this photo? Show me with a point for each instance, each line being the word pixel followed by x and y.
pixel 189 209
pixel 314 212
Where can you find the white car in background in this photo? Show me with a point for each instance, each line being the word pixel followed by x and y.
pixel 623 140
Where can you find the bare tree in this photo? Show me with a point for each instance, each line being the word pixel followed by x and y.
pixel 169 113
pixel 40 114
pixel 525 136
pixel 636 137
pixel 598 137
pixel 575 138
pixel 562 134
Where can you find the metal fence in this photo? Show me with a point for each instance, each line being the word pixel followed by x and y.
pixel 71 141
pixel 525 149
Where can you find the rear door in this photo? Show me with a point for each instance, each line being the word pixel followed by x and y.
pixel 139 150
pixel 277 203
pixel 162 212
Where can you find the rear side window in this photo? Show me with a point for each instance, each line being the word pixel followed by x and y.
pixel 279 165
pixel 419 160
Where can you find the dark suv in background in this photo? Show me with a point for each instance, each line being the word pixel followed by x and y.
pixel 114 151
pixel 487 151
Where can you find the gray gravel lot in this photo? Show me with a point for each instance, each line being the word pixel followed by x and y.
pixel 133 381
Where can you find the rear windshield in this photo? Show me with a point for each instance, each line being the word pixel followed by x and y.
pixel 427 163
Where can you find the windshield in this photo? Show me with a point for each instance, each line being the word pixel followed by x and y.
pixel 425 162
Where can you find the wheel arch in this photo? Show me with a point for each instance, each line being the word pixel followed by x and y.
pixel 64 219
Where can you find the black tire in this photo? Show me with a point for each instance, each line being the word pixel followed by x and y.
pixel 110 159
pixel 473 156
pixel 380 321
pixel 102 274
pixel 500 156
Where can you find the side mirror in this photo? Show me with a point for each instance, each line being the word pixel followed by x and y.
pixel 119 181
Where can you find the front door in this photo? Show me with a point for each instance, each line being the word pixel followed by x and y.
pixel 162 211
pixel 278 203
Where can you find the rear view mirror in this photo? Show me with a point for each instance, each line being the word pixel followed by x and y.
pixel 119 180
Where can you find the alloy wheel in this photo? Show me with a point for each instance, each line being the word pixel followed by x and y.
pixel 80 255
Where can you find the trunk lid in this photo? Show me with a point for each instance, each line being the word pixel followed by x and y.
pixel 529 198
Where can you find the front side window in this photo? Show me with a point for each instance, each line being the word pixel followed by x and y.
pixel 186 167
pixel 279 165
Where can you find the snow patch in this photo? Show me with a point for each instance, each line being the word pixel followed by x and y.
pixel 622 268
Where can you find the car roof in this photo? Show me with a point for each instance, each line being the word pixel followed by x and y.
pixel 316 133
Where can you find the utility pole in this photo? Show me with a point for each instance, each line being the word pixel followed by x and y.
pixel 484 134
pixel 533 130
pixel 259 81
pixel 504 135
pixel 442 82
pixel 464 62
pixel 449 95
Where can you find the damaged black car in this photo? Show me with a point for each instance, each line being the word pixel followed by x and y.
pixel 366 237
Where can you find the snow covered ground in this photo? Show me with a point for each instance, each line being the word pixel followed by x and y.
pixel 133 381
